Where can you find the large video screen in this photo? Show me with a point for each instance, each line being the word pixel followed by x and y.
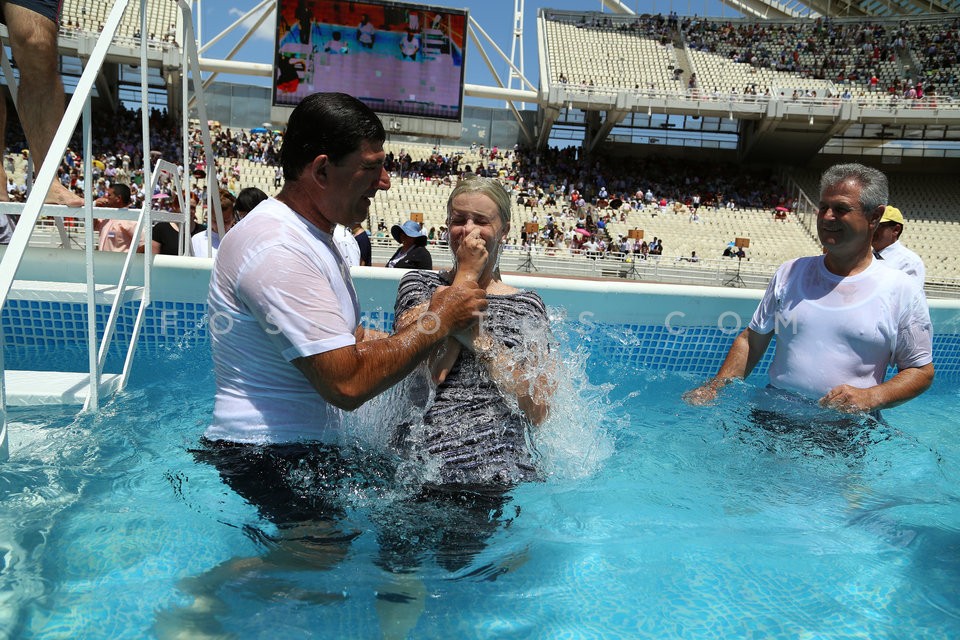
pixel 402 59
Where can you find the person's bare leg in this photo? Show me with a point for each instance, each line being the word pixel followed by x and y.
pixel 40 98
pixel 399 605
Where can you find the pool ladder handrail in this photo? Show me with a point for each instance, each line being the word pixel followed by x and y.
pixel 31 210
pixel 144 221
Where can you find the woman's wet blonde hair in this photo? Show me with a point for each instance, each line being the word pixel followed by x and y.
pixel 490 187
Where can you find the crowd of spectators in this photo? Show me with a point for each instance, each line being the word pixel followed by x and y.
pixel 571 199
pixel 939 52
pixel 572 194
pixel 646 25
pixel 118 153
pixel 436 165
pixel 844 52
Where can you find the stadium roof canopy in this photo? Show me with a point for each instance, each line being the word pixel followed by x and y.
pixel 869 8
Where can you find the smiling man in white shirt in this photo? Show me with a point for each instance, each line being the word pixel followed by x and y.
pixel 840 318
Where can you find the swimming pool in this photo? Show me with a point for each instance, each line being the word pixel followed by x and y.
pixel 656 519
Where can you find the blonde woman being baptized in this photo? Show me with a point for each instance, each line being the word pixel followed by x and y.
pixel 494 381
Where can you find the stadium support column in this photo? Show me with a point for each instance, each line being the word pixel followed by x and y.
pixel 108 86
pixel 174 83
pixel 618 7
pixel 614 117
pixel 173 67
pixel 547 115
pixel 517 40
pixel 592 125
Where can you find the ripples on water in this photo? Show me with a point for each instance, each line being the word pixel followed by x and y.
pixel 656 519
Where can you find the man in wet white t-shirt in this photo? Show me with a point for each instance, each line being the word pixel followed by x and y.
pixel 289 351
pixel 840 318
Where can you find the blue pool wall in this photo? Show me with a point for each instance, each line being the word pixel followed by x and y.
pixel 625 323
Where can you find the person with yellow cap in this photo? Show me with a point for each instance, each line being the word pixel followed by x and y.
pixel 888 248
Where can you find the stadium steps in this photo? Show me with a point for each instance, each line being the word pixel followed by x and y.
pixel 684 64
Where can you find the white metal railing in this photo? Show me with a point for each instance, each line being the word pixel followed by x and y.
pixel 706 271
pixel 31 210
pixel 583 264
pixel 740 101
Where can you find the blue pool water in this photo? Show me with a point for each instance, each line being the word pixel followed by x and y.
pixel 656 520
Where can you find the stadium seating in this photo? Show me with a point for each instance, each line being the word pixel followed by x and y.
pixel 608 58
pixel 716 73
pixel 163 18
pixel 929 204
pixel 933 228
pixel 726 56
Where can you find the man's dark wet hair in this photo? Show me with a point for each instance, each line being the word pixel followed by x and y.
pixel 333 124
pixel 122 191
pixel 247 200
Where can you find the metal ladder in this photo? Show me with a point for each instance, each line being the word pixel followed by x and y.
pixel 89 388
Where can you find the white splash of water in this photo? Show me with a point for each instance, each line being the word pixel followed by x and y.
pixel 573 442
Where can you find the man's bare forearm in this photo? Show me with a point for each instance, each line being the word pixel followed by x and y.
pixel 350 376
